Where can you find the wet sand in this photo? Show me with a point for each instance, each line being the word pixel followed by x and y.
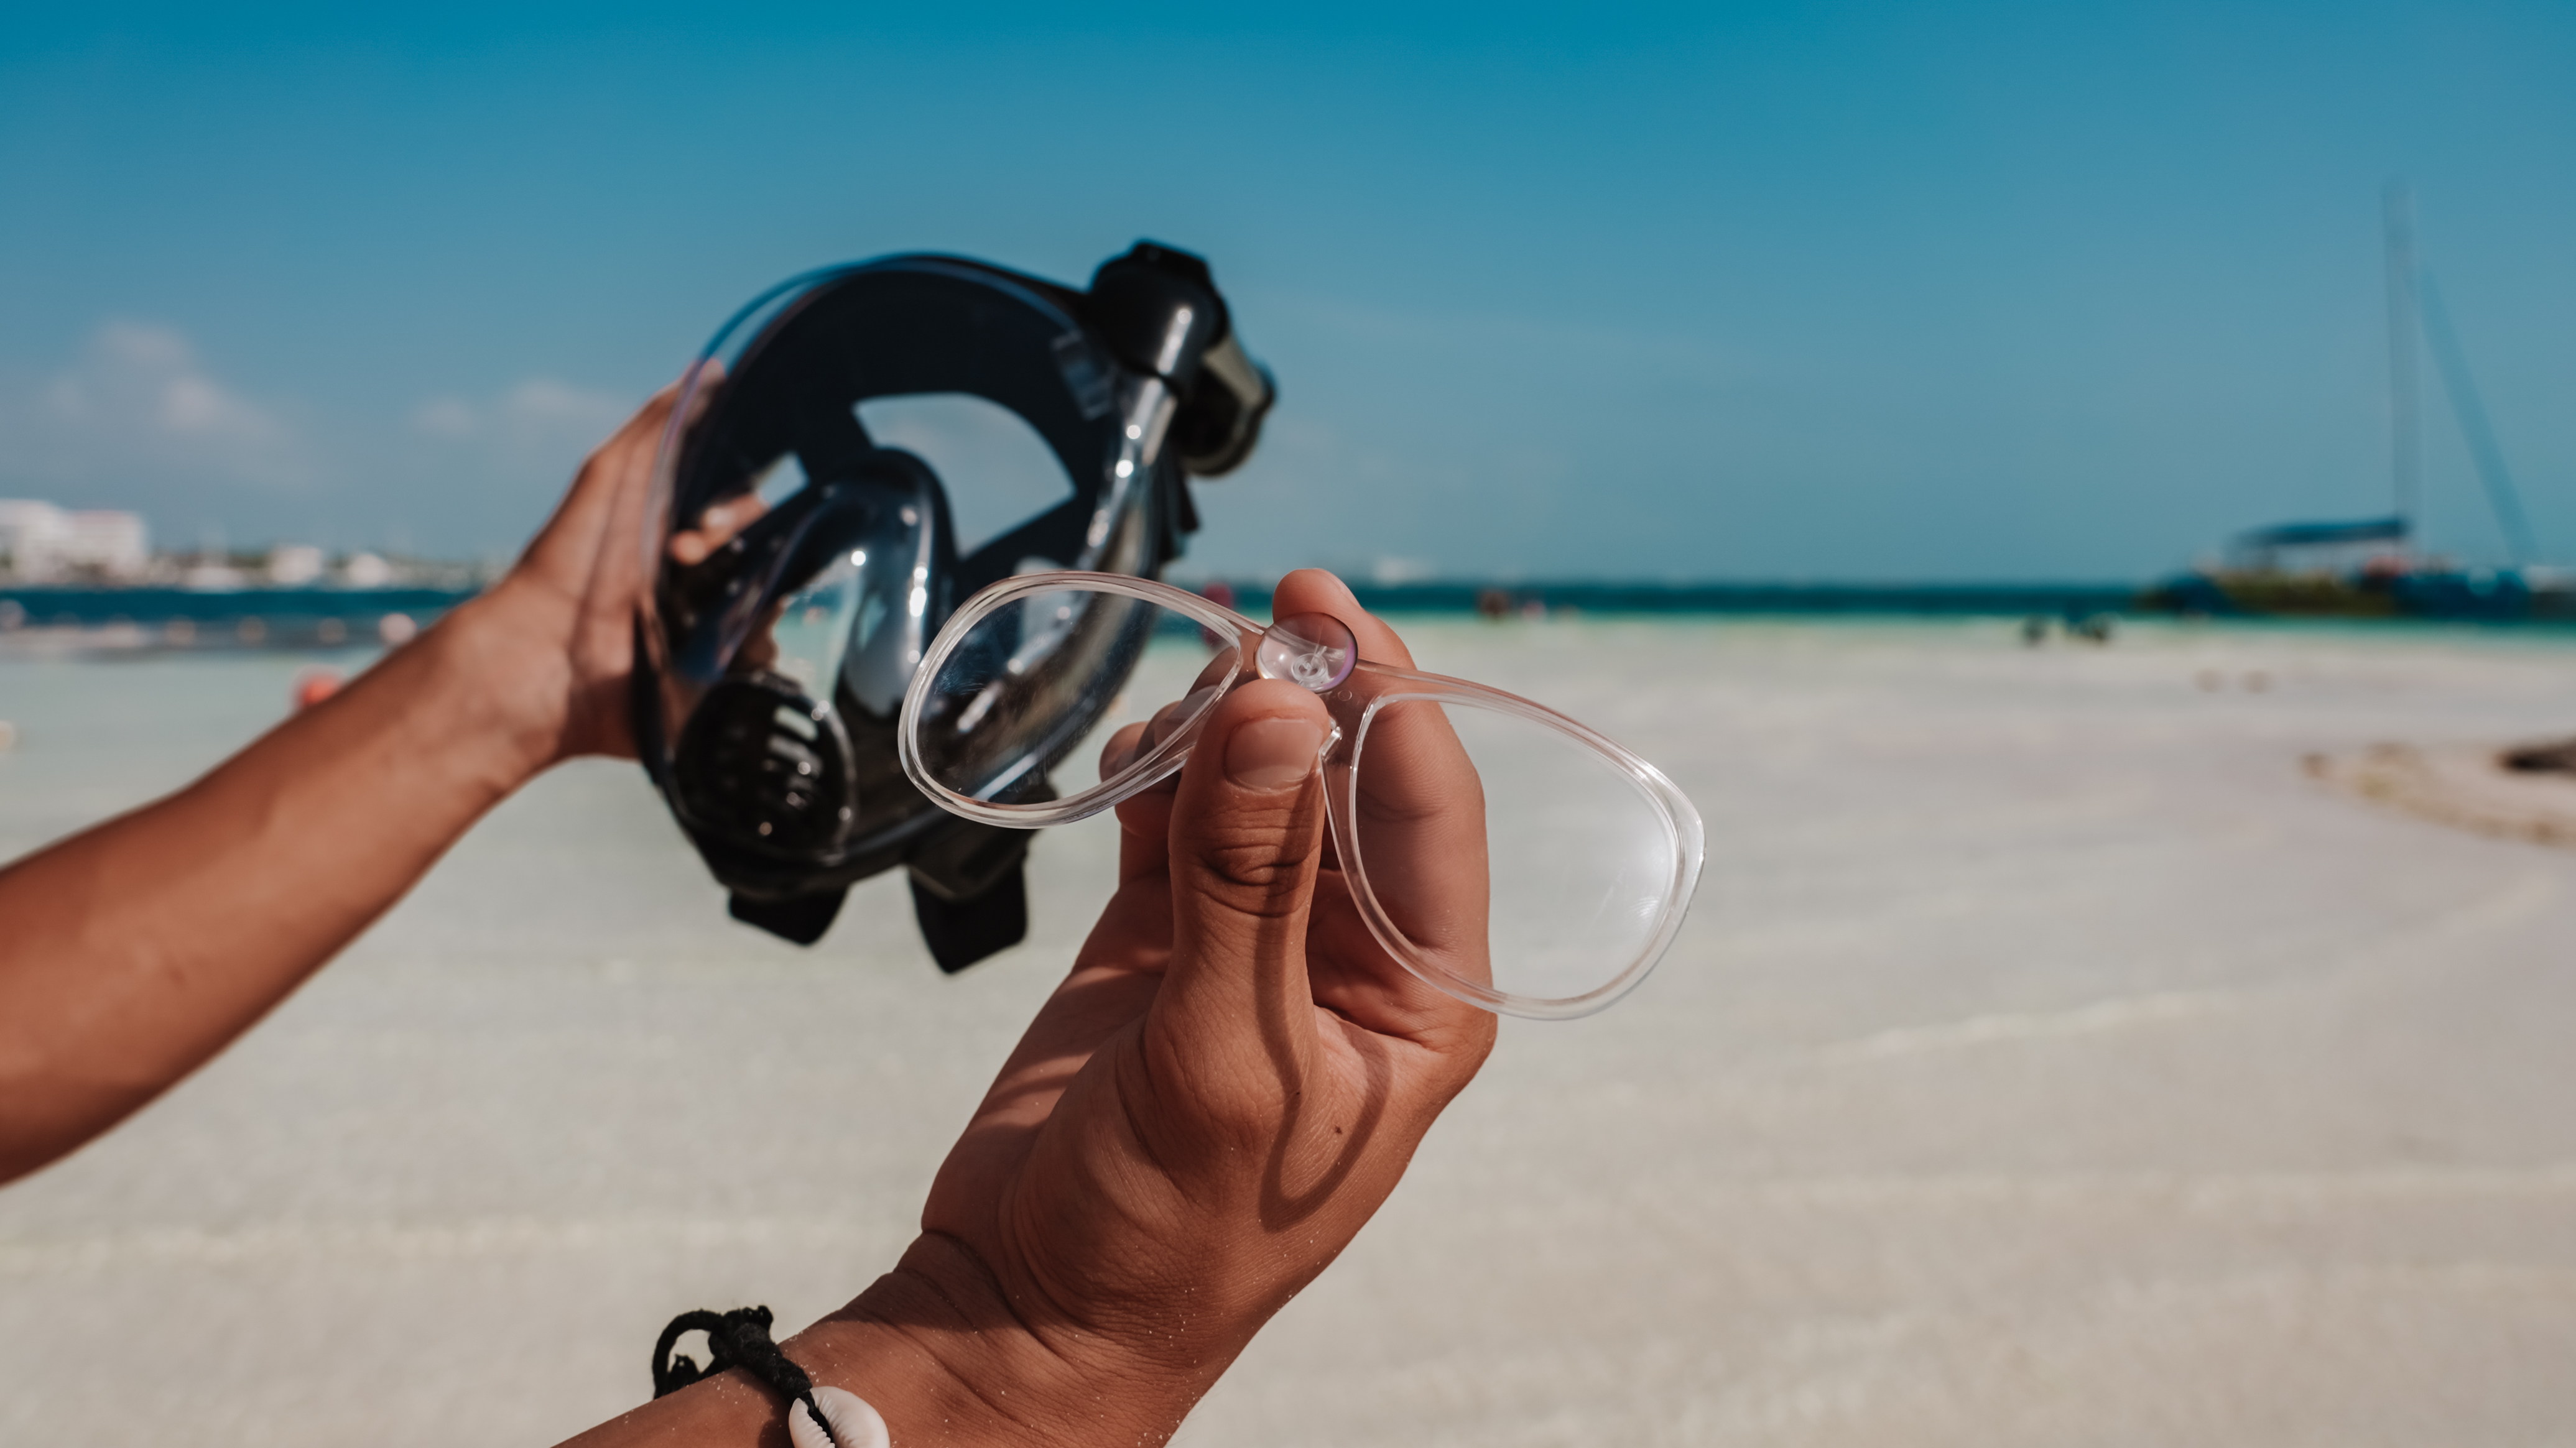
pixel 2051 1058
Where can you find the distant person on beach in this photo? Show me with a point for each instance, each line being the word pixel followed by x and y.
pixel 1216 1098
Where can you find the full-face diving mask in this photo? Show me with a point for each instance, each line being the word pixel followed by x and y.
pixel 806 548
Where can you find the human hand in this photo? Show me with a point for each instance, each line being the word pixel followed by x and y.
pixel 1224 1089
pixel 556 636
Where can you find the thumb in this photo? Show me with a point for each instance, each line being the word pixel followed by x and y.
pixel 1246 837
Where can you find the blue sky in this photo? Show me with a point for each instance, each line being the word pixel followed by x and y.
pixel 1868 291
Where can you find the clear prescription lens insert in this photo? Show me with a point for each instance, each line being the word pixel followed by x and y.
pixel 1498 851
pixel 1582 872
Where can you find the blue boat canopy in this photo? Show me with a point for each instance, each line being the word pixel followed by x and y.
pixel 2294 535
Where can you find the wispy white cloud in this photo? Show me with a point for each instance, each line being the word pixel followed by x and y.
pixel 539 419
pixel 139 400
pixel 447 417
pixel 545 402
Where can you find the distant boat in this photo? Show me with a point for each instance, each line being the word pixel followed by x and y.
pixel 2367 568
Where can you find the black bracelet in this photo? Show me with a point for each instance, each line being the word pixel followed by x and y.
pixel 736 1339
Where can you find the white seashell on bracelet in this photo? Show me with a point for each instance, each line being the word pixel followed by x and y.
pixel 853 1422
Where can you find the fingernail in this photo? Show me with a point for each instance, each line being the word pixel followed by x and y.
pixel 1169 718
pixel 1273 753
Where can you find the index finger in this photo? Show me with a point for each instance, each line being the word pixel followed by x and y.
pixel 1415 817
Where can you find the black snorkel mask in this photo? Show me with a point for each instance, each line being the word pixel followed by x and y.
pixel 802 565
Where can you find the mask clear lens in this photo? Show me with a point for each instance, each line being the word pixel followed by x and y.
pixel 1015 475
pixel 1049 676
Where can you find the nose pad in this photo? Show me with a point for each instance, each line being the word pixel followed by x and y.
pixel 1314 651
pixel 902 533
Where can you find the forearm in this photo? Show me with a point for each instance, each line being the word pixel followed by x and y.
pixel 136 950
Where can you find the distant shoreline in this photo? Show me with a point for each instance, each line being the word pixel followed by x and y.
pixel 93 605
pixel 160 618
pixel 1997 600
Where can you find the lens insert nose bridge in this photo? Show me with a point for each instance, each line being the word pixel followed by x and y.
pixel 1314 651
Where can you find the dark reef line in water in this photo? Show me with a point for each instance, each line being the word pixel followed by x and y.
pixel 159 618
pixel 162 619
pixel 2000 600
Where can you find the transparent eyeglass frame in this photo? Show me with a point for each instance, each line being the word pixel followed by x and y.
pixel 1276 653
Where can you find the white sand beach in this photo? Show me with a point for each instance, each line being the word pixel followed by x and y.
pixel 2051 1058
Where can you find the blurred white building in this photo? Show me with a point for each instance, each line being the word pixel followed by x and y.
pixel 292 564
pixel 41 543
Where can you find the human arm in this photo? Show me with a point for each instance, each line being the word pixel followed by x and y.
pixel 134 951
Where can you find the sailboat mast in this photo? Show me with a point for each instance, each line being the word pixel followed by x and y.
pixel 2405 447
pixel 2471 411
